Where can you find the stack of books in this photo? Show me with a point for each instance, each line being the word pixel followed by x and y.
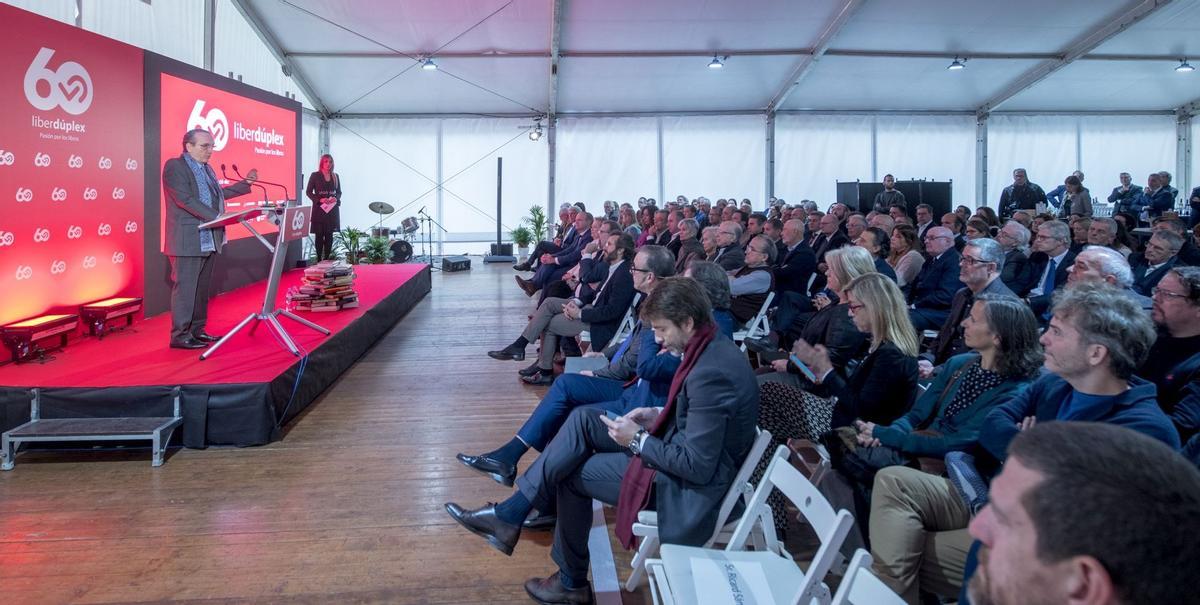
pixel 327 286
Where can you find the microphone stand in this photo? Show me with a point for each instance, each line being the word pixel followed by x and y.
pixel 429 237
pixel 266 200
pixel 287 196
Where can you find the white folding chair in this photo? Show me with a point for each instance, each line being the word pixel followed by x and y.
pixel 741 489
pixel 624 329
pixel 758 326
pixel 860 586
pixel 671 575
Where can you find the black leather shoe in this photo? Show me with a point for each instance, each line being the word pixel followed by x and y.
pixel 188 343
pixel 540 379
pixel 529 371
pixel 527 286
pixel 483 522
pixel 522 267
pixel 550 591
pixel 761 345
pixel 508 353
pixel 206 337
pixel 502 472
pixel 540 521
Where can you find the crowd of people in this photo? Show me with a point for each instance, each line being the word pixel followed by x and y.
pixel 1012 397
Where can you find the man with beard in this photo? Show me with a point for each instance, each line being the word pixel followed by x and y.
pixel 1070 522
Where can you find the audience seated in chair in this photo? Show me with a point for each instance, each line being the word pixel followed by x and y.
pixel 557 317
pixel 635 358
pixel 1004 356
pixel 553 265
pixel 728 253
pixel 1014 238
pixel 689 248
pixel 565 238
pixel 980 268
pixel 795 267
pixel 1048 264
pixel 1096 338
pixel 879 389
pixel 750 285
pixel 905 257
pixel 936 284
pixel 876 242
pixel 1103 265
pixel 694 444
pixel 1174 361
pixel 715 283
pixel 1161 255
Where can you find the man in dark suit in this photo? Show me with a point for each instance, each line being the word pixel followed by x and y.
pixel 935 286
pixel 1124 196
pixel 798 262
pixel 555 264
pixel 557 317
pixel 980 269
pixel 1048 265
pixel 690 455
pixel 1160 256
pixel 1156 198
pixel 729 254
pixel 194 196
pixel 565 238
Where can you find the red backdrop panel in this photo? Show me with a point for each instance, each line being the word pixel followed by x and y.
pixel 247 134
pixel 70 166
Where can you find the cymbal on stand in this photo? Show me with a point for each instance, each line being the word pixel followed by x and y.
pixel 381 208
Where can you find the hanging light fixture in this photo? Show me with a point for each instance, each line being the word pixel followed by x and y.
pixel 428 65
pixel 959 63
pixel 536 133
pixel 1184 67
pixel 717 62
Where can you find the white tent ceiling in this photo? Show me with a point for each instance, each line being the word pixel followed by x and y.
pixel 629 56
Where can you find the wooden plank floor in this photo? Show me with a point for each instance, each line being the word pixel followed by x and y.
pixel 347 508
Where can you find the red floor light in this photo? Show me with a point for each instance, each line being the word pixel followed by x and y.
pixel 99 315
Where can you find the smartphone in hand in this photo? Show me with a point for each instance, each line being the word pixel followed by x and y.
pixel 804 369
pixel 612 415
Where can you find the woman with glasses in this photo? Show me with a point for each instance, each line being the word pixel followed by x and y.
pixel 878 390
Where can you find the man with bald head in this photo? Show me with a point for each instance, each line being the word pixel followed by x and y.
pixel 798 262
pixel 935 286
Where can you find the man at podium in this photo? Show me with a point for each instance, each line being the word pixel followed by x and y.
pixel 194 196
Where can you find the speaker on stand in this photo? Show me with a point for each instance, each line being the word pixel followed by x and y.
pixel 501 252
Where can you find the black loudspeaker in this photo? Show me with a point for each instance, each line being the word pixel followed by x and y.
pixel 451 264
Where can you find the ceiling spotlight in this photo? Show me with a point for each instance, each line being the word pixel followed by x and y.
pixel 717 62
pixel 536 133
pixel 428 65
pixel 1184 67
pixel 958 63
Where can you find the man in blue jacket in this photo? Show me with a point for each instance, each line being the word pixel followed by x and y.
pixel 555 264
pixel 1097 337
pixel 937 283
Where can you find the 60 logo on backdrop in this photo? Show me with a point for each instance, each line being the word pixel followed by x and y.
pixel 214 122
pixel 7 158
pixel 24 194
pixel 69 87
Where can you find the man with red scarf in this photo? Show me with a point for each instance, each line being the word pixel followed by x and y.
pixel 688 450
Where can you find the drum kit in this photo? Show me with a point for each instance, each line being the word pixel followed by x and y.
pixel 398 239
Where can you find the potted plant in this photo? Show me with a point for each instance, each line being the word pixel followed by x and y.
pixel 522 236
pixel 377 251
pixel 538 226
pixel 348 242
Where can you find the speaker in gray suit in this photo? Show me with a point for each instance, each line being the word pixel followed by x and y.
pixel 194 196
pixel 688 452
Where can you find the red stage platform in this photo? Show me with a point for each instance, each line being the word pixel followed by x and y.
pixel 241 394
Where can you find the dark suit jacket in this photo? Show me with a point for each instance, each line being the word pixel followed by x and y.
pixel 879 390
pixel 689 250
pixel 674 244
pixel 885 269
pixel 794 270
pixel 605 314
pixel 571 255
pixel 937 283
pixel 1015 274
pixel 1143 282
pixel 709 435
pixel 833 328
pixel 591 271
pixel 731 257
pixel 833 242
pixel 949 340
pixel 185 211
pixel 1156 203
pixel 1037 265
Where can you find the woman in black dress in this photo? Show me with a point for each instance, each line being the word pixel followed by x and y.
pixel 325 191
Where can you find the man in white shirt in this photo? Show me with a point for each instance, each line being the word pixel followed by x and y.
pixel 924 219
pixel 1049 262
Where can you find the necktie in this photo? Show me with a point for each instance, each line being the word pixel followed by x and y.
pixel 1048 284
pixel 628 341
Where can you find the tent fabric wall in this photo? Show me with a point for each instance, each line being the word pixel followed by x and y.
pixel 239 50
pixel 813 152
pixel 1138 145
pixel 606 159
pixel 174 29
pixel 714 156
pixel 59 10
pixel 938 148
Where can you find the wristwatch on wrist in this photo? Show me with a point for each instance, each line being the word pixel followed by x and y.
pixel 635 446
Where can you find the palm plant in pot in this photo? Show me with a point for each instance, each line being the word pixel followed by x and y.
pixel 349 242
pixel 522 236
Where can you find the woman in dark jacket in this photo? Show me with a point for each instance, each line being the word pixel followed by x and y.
pixel 325 191
pixel 879 389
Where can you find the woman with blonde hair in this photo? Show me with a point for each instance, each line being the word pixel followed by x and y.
pixel 880 389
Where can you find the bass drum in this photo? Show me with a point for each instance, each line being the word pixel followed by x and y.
pixel 402 251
